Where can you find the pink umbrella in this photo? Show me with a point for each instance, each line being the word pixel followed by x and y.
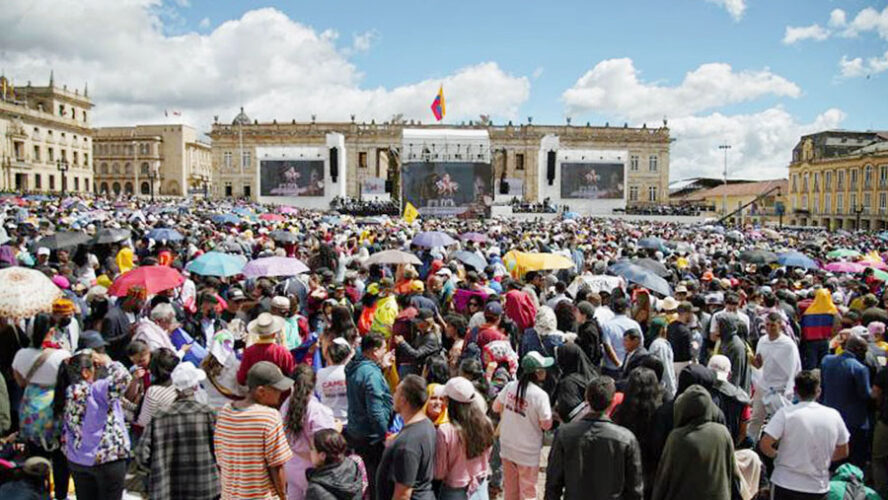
pixel 274 266
pixel 272 217
pixel 875 264
pixel 288 210
pixel 844 267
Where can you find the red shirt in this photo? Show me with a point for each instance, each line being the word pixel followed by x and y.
pixel 275 353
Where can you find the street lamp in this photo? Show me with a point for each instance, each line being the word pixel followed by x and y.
pixel 62 166
pixel 725 147
pixel 152 174
pixel 857 211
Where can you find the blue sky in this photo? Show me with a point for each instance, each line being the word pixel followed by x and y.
pixel 754 73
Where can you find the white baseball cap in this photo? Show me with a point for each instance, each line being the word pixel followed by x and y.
pixel 459 389
pixel 186 376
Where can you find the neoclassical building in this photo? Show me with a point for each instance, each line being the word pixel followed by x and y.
pixel 164 160
pixel 45 138
pixel 376 151
pixel 839 179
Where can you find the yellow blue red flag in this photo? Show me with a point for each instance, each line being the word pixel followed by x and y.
pixel 438 104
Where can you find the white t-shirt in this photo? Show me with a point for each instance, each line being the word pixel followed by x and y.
pixel 46 374
pixel 808 433
pixel 521 438
pixel 780 365
pixel 331 390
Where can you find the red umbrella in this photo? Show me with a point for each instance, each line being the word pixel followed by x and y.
pixel 154 279
pixel 272 217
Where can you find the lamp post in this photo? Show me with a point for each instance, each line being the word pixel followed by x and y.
pixel 152 174
pixel 857 211
pixel 62 166
pixel 725 148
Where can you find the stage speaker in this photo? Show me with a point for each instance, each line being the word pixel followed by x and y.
pixel 388 186
pixel 550 167
pixel 503 187
pixel 334 163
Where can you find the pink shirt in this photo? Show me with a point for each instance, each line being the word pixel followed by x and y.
pixel 317 417
pixel 452 465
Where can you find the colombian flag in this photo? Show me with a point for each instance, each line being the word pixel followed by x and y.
pixel 438 104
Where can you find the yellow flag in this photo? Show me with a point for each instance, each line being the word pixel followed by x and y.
pixel 410 213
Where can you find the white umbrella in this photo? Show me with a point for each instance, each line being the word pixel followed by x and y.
pixel 393 257
pixel 25 292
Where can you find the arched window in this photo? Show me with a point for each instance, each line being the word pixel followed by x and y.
pixel 115 168
pixel 104 188
pixel 145 188
pixel 116 188
pixel 104 168
pixel 128 188
pixel 128 168
pixel 143 170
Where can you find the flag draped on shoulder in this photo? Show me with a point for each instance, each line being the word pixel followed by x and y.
pixel 438 104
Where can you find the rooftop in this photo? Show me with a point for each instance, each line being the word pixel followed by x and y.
pixel 743 189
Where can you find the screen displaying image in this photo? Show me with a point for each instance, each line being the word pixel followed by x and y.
pixel 592 181
pixel 448 188
pixel 291 178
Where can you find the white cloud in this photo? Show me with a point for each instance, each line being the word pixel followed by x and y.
pixel 761 141
pixel 798 33
pixel 851 68
pixel 613 87
pixel 735 8
pixel 205 22
pixel 361 42
pixel 278 68
pixel 869 19
pixel 878 64
pixel 837 18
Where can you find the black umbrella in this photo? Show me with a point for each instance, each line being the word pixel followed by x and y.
pixel 758 257
pixel 653 265
pixel 107 236
pixel 284 236
pixel 57 241
pixel 641 276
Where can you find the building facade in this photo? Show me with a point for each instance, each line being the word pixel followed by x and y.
pixel 374 151
pixel 744 202
pixel 146 160
pixel 45 138
pixel 839 180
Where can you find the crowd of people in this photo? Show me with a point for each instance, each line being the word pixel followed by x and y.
pixel 364 208
pixel 520 206
pixel 204 349
pixel 682 209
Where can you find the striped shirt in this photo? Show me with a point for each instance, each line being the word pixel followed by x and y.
pixel 248 441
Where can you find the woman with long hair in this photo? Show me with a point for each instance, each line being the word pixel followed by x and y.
pixel 462 450
pixel 526 414
pixel 643 397
pixel 303 416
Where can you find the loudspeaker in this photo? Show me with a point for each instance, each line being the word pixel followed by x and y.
pixel 550 167
pixel 334 163
pixel 388 186
pixel 503 187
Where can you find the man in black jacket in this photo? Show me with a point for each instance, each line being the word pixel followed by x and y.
pixel 594 457
pixel 412 355
pixel 589 332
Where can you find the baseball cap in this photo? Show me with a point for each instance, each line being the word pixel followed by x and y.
pixel 186 376
pixel 721 365
pixel 91 339
pixel 266 373
pixel 42 251
pixel 681 289
pixel 236 294
pixel 459 389
pixel 536 361
pixel 493 308
pixel 444 271
pixel 280 303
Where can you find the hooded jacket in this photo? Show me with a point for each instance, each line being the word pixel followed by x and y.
pixel 369 400
pixel 697 447
pixel 342 481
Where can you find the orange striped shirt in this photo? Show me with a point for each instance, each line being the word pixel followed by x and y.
pixel 248 441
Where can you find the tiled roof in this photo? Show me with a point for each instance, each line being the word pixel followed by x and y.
pixel 743 189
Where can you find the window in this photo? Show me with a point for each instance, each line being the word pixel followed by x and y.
pixel 362 159
pixel 64 155
pixel 144 149
pixel 816 209
pixel 652 193
pixel 103 169
pixel 883 202
pixel 62 110
pixel 84 116
pixel 853 178
pixel 853 202
pixel 128 168
pixel 795 184
pixel 827 203
pixel 226 159
pixel 128 188
pixel 246 191
pixel 143 169
pixel 36 153
pixel 145 188
pixel 805 182
pixel 245 159
pixel 228 190
pixel 51 182
pixel 116 188
pixel 115 169
pixel 867 202
pixel 633 163
pixel 868 177
pixel 76 184
pixel 827 180
pixel 633 193
pixel 104 188
pixel 840 180
pixel 652 163
pixel 519 161
pixel 74 157
pixel 86 160
pixel 840 203
pixel 38 182
pixel 816 182
pixel 19 150
pixel 883 176
pixel 50 155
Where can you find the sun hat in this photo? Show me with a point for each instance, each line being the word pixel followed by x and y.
pixel 186 376
pixel 63 307
pixel 266 324
pixel 280 303
pixel 536 361
pixel 668 304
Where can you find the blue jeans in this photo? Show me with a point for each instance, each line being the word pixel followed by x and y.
pixel 813 352
pixel 448 493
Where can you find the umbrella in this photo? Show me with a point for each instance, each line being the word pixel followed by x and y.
pixel 106 236
pixel 394 257
pixel 770 233
pixel 225 219
pixel 165 234
pixel 284 236
pixel 25 292
pixel 65 239
pixel 230 247
pixel 288 210
pixel 844 267
pixel 642 276
pixel 758 257
pixel 272 217
pixel 470 259
pixel 882 275
pixel 216 264
pixel 432 239
pixel 657 267
pixel 274 266
pixel 519 263
pixel 734 235
pixel 652 243
pixel 476 237
pixel 796 259
pixel 153 279
pixel 842 252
